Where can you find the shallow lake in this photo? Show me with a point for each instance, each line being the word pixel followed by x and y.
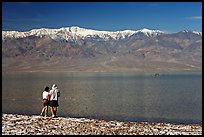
pixel 168 97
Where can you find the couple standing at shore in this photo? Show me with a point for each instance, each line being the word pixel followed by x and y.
pixel 50 98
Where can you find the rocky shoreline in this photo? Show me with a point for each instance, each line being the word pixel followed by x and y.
pixel 15 124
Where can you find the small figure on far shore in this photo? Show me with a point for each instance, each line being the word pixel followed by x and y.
pixel 46 98
pixel 156 74
pixel 54 95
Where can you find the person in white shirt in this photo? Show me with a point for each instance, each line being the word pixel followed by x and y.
pixel 54 95
pixel 46 97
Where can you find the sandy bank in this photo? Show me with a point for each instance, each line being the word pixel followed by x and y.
pixel 14 124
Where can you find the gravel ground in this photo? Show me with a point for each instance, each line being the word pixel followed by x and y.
pixel 14 124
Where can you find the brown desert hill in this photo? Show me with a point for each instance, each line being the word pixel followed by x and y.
pixel 170 52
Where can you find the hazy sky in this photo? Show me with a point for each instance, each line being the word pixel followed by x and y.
pixel 110 16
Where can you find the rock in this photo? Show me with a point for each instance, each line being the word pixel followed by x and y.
pixel 14 124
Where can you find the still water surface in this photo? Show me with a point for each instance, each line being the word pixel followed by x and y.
pixel 170 97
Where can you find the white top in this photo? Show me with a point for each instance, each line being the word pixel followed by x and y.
pixel 45 95
pixel 75 32
pixel 53 94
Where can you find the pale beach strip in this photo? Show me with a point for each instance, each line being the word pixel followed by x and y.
pixel 15 124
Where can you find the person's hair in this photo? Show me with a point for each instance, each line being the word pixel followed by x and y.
pixel 46 88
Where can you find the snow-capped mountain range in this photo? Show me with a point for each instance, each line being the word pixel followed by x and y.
pixel 195 32
pixel 75 48
pixel 73 33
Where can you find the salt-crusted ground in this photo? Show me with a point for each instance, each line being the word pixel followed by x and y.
pixel 14 124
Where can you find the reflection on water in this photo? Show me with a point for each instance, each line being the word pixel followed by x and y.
pixel 173 97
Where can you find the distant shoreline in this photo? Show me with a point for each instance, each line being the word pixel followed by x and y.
pixel 159 72
pixel 15 124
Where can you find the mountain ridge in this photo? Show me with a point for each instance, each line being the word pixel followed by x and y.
pixel 71 32
pixel 137 52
